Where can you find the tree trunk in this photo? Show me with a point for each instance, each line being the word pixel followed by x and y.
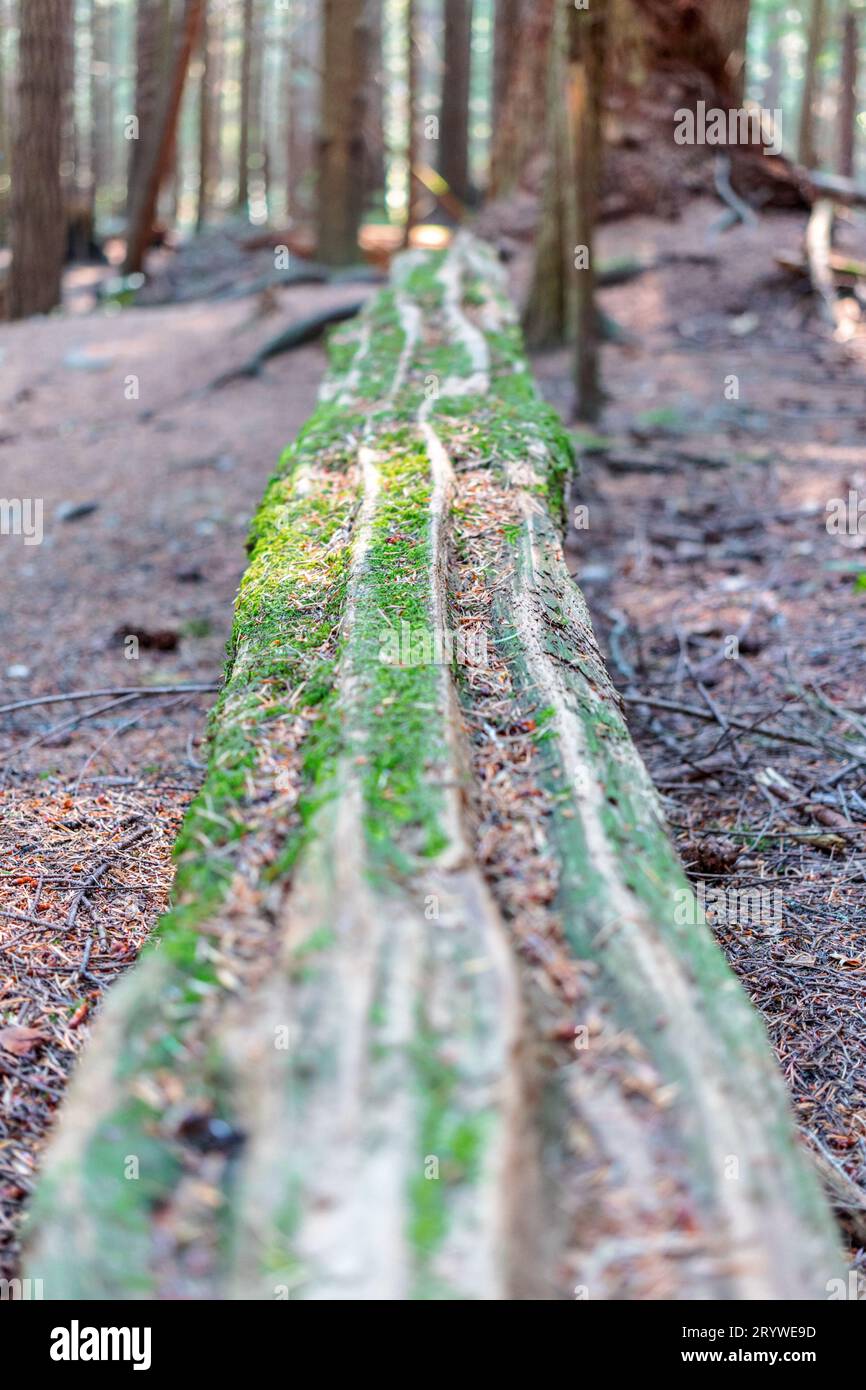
pixel 806 149
pixel 304 104
pixel 548 315
pixel 38 224
pixel 588 48
pixel 772 98
pixel 153 32
pixel 102 88
pixel 730 19
pixel 341 146
pixel 157 141
pixel 374 130
pixel 413 64
pixel 246 107
pixel 5 163
pixel 848 93
pixel 454 118
pixel 522 112
pixel 353 1067
pixel 205 121
pixel 506 47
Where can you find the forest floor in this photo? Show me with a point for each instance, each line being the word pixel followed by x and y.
pixel 717 586
pixel 706 520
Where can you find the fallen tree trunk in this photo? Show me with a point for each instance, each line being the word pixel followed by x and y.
pixel 435 1013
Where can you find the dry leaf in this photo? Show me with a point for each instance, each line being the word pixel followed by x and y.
pixel 19 1041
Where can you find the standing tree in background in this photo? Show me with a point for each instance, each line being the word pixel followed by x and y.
pixel 374 129
pixel 548 314
pixel 454 117
pixel 246 90
pixel 207 118
pixel 4 133
pixel 806 150
pixel 101 96
pixel 586 66
pixel 250 147
pixel 345 54
pixel 521 98
pixel 730 19
pixel 848 91
pixel 157 134
pixel 152 40
pixel 413 82
pixel 38 227
pixel 561 304
pixel 304 57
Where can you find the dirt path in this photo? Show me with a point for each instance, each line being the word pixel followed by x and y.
pixel 153 552
pixel 715 584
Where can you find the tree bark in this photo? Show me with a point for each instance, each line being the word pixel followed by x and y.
pixel 5 161
pixel 588 49
pixel 454 118
pixel 413 152
pixel 548 315
pixel 157 141
pixel 102 90
pixel 848 93
pixel 153 35
pixel 246 106
pixel 806 148
pixel 38 224
pixel 305 100
pixel 205 121
pixel 730 19
pixel 521 114
pixel 506 47
pixel 341 146
pixel 374 130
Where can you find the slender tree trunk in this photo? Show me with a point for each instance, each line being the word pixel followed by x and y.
pixel 5 162
pixel 152 47
pixel 374 133
pixel 547 316
pixel 730 19
pixel 587 51
pixel 454 120
pixel 506 51
pixel 506 47
pixel 341 146
pixel 205 123
pixel 101 96
pixel 305 101
pixel 806 149
pixel 413 64
pixel 848 93
pixel 246 102
pixel 158 141
pixel 38 228
pixel 772 98
pixel 520 121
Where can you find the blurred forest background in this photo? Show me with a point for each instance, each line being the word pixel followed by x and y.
pixel 124 125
